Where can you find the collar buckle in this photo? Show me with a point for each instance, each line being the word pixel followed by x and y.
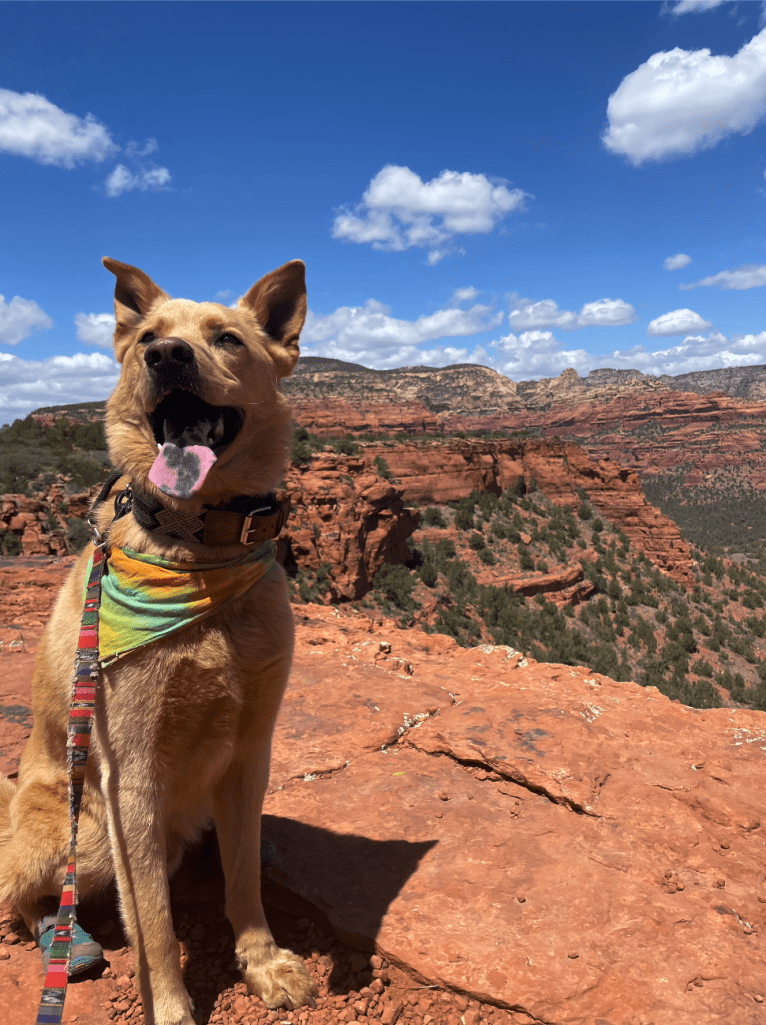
pixel 264 522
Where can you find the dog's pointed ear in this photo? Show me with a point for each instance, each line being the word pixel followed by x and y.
pixel 278 301
pixel 134 295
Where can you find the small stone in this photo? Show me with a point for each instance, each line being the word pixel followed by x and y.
pixel 680 885
pixel 725 846
pixel 720 883
pixel 442 795
pixel 11 938
pixel 698 982
pixel 521 899
pixel 461 1002
pixel 391 1012
pixel 30 946
pixel 761 899
pixel 376 986
pixel 573 955
pixel 748 930
pixel 438 814
pixel 4 954
pixel 376 961
pixel 758 998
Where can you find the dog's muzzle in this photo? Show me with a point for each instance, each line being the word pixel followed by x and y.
pixel 190 433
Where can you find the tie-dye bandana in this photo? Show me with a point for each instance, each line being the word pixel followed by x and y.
pixel 144 597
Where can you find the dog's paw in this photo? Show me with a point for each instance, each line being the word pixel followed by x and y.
pixel 281 981
pixel 173 1009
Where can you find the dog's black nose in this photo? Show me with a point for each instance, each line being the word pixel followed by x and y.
pixel 165 353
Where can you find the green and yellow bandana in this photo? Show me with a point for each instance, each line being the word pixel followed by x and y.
pixel 145 597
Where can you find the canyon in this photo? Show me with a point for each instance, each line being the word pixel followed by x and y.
pixel 703 431
pixel 349 518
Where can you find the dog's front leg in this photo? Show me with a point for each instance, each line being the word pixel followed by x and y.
pixel 136 829
pixel 276 975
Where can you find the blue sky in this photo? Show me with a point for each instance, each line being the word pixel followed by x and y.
pixel 529 186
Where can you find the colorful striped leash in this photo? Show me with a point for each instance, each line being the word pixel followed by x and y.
pixel 78 739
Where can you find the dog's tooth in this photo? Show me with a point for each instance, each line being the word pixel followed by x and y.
pixel 217 432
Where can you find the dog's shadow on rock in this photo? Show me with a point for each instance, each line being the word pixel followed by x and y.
pixel 320 889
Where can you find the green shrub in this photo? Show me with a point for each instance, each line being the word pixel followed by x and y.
pixel 486 556
pixel 396 583
pixel 10 543
pixel 464 518
pixel 433 518
pixel 347 447
pixel 300 450
pixel 526 562
pixel 382 467
pixel 428 573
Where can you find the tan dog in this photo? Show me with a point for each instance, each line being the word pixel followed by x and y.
pixel 183 726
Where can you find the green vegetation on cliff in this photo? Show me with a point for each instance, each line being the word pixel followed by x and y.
pixel 31 449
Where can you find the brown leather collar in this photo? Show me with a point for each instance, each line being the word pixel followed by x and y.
pixel 247 520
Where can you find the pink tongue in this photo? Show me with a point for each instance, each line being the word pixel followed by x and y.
pixel 181 471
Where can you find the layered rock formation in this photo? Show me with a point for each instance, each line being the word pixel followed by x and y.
pixel 349 519
pixel 708 425
pixel 38 523
pixel 442 472
pixel 346 519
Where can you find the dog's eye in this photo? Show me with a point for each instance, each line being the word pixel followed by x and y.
pixel 148 337
pixel 227 338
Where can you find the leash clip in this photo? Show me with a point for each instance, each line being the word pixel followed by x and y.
pixel 123 503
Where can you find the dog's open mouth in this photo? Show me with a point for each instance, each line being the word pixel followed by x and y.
pixel 191 434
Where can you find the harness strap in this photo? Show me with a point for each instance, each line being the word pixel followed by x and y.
pixel 78 740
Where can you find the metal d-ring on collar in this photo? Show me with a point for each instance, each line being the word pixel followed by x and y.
pixel 98 537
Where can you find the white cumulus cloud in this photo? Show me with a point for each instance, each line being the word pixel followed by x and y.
pixel 31 126
pixel 28 384
pixel 535 354
pixel 95 328
pixel 400 210
pixel 695 6
pixel 545 313
pixel 750 276
pixel 677 322
pixel 147 179
pixel 677 262
pixel 606 313
pixel 19 318
pixel 681 101
pixel 369 334
pixel 462 295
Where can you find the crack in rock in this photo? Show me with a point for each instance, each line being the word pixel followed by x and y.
pixel 513 776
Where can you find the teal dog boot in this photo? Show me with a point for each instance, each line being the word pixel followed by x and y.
pixel 85 951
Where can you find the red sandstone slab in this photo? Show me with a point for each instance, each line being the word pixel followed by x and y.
pixel 654 888
pixel 337 707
